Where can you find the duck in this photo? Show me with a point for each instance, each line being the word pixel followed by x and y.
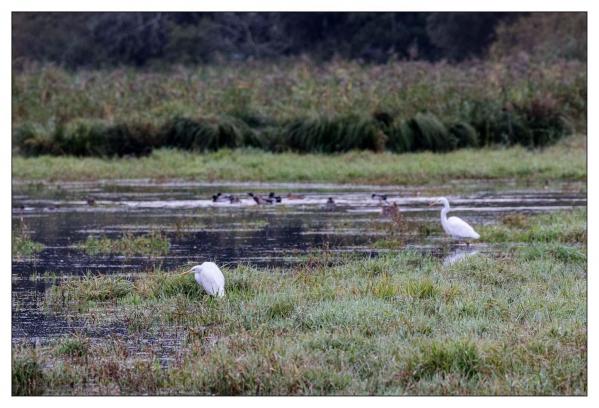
pixel 330 205
pixel 272 196
pixel 217 197
pixel 91 201
pixel 291 196
pixel 261 200
pixel 380 197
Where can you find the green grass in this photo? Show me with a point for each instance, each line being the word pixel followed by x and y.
pixel 148 244
pixel 75 347
pixel 297 106
pixel 296 88
pixel 93 288
pixel 558 227
pixel 27 375
pixel 387 243
pixel 401 324
pixel 565 161
pixel 25 247
pixel 21 243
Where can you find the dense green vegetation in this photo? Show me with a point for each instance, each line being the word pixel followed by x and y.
pixel 561 227
pixel 305 104
pixel 565 161
pixel 297 106
pixel 402 323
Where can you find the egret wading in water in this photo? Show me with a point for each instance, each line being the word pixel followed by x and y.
pixel 455 227
pixel 209 276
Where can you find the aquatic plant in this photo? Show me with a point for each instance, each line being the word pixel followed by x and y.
pixel 22 245
pixel 153 243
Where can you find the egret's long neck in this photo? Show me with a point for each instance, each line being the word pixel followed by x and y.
pixel 444 211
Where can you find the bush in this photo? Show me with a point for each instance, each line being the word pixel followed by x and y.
pixel 33 139
pixel 426 132
pixel 543 36
pixel 330 135
pixel 464 134
pixel 545 122
pixel 204 134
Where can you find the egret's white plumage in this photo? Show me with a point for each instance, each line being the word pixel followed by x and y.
pixel 209 276
pixel 454 226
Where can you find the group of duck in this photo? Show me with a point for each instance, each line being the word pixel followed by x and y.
pixel 271 198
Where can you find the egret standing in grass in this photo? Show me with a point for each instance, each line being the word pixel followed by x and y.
pixel 455 227
pixel 209 276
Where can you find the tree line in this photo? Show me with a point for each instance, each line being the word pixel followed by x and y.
pixel 75 40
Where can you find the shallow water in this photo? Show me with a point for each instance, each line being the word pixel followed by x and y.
pixel 59 216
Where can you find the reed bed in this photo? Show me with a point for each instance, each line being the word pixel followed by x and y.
pixel 297 106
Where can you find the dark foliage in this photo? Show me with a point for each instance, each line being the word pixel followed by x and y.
pixel 536 124
pixel 141 38
pixel 463 35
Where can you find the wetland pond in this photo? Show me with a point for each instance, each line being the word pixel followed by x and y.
pixel 59 216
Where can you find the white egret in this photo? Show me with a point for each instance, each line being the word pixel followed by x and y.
pixel 209 276
pixel 455 227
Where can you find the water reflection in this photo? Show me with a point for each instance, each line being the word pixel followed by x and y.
pixel 459 254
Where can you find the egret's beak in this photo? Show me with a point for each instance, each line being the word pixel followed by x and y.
pixel 432 204
pixel 186 272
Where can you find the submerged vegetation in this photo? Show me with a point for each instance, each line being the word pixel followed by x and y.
pixel 153 243
pixel 401 323
pixel 298 106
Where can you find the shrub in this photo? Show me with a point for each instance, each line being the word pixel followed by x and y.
pixel 330 135
pixel 464 133
pixel 33 139
pixel 426 132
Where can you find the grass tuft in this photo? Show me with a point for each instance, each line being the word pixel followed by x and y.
pixel 76 347
pixel 422 289
pixel 22 245
pixel 154 243
pixel 27 375
pixel 459 357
